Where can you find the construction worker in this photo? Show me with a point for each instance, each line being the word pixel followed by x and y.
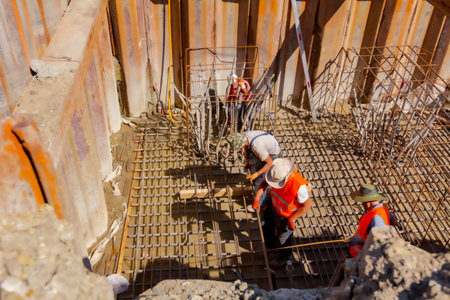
pixel 376 215
pixel 289 201
pixel 239 83
pixel 239 87
pixel 260 149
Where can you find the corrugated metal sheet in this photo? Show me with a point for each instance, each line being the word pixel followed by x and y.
pixel 327 27
pixel 142 35
pixel 132 48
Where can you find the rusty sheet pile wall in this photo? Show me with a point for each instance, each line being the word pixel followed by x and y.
pixel 73 100
pixel 26 28
pixel 327 27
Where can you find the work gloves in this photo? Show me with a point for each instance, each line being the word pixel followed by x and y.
pixel 256 205
pixel 291 224
pixel 252 177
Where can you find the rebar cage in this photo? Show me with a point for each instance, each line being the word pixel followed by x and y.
pixel 211 111
pixel 399 106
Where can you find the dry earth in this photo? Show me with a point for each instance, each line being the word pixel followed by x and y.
pixel 37 260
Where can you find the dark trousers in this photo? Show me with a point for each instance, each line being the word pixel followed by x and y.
pixel 273 227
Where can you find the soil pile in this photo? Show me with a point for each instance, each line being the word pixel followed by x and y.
pixel 210 289
pixel 37 260
pixel 391 268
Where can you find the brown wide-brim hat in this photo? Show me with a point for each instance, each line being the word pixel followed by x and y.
pixel 367 193
pixel 279 172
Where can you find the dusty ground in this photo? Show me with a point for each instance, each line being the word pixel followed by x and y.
pixel 37 260
pixel 210 289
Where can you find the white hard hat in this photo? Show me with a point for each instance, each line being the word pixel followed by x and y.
pixel 234 77
pixel 279 172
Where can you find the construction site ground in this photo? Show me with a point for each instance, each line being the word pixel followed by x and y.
pixel 212 235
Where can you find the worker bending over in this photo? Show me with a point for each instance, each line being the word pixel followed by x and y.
pixel 376 215
pixel 289 201
pixel 260 149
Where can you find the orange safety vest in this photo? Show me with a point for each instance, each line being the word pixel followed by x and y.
pixel 283 199
pixel 364 223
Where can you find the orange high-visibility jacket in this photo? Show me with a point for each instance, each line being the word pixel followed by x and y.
pixel 283 199
pixel 364 223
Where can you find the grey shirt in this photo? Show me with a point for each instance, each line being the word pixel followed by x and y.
pixel 263 144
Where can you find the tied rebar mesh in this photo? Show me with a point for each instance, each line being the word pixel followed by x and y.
pixel 394 96
pixel 213 236
pixel 398 105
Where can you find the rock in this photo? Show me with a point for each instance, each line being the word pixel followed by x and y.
pixel 390 268
pixel 11 287
pixel 243 286
pixel 249 294
pixel 38 261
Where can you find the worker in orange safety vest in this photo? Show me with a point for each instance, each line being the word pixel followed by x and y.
pixel 376 215
pixel 289 201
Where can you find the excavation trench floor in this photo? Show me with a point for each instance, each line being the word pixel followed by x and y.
pixel 214 237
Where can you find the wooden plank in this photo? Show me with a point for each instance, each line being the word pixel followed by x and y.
pixel 218 192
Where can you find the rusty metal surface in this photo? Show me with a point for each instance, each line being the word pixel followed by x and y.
pixel 26 28
pixel 142 35
pixel 131 44
pixel 28 178
pixel 70 108
pixel 328 26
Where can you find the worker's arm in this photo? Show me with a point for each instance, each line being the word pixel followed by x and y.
pixel 260 190
pixel 266 167
pixel 355 240
pixel 244 89
pixel 305 204
pixel 303 208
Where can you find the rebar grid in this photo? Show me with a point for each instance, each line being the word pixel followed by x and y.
pixel 168 237
pixel 393 95
pixel 397 102
pixel 209 237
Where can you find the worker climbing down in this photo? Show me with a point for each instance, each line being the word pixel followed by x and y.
pixel 238 87
pixel 260 149
pixel 376 215
pixel 289 201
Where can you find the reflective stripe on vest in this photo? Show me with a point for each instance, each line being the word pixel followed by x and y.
pixel 364 223
pixel 284 199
